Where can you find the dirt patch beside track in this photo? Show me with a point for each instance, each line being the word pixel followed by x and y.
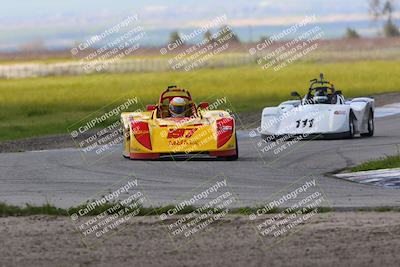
pixel 41 143
pixel 329 239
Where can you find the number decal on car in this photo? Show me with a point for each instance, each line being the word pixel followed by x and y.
pixel 304 123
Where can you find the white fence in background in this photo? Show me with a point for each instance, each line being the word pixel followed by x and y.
pixel 28 70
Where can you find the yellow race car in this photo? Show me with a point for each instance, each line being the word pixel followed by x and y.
pixel 199 130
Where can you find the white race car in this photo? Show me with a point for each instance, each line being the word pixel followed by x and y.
pixel 322 112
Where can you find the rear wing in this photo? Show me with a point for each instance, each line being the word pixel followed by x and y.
pixel 321 83
pixel 161 108
pixel 173 91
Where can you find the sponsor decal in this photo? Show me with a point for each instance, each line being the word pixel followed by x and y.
pixel 181 133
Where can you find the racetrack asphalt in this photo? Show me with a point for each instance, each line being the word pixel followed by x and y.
pixel 66 178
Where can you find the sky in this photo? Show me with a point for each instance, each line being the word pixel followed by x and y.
pixel 172 13
pixel 23 20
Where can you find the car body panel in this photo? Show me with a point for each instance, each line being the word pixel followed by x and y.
pixel 311 119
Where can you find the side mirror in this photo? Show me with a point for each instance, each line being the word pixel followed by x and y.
pixel 150 107
pixel 203 105
pixel 295 94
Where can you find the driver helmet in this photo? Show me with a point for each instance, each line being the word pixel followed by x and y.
pixel 177 107
pixel 320 97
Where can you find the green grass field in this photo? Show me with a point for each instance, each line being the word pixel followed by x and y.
pixel 49 105
pixel 383 163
